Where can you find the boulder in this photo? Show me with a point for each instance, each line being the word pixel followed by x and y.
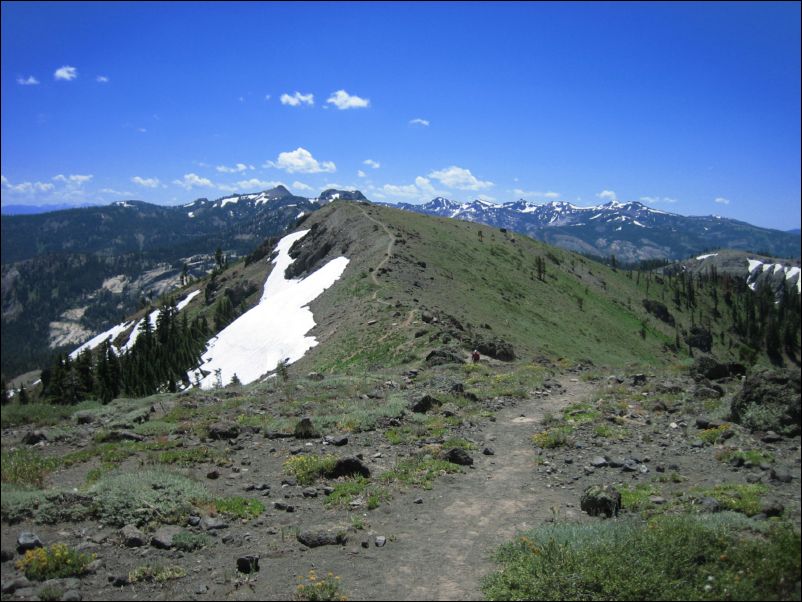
pixel 601 499
pixel 769 400
pixel 224 430
pixel 348 466
pixel 321 536
pixel 426 403
pixel 459 456
pixel 496 348
pixel 706 366
pixel 443 356
pixel 34 437
pixel 305 429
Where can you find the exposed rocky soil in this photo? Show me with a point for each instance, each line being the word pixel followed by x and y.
pixel 420 544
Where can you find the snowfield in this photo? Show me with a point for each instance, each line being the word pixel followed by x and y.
pixel 275 329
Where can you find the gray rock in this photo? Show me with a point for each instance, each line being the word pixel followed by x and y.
pixel 132 537
pixel 781 474
pixel 769 400
pixel 424 404
pixel 630 466
pixel 6 555
pixel 598 462
pixel 380 541
pixel 115 435
pixel 72 595
pixel 309 492
pixel 771 437
pixel 193 520
pixel 11 586
pixel 27 541
pixel 708 504
pixel 163 537
pixel 248 563
pixel 119 580
pixel 317 536
pixel 305 429
pixel 84 417
pixel 336 440
pixel 34 437
pixel 224 430
pixel 601 499
pixel 284 506
pixel 458 456
pixel 316 376
pixel 213 474
pixel 488 451
pixel 210 523
pixel 348 466
pixel 772 508
pixel 616 462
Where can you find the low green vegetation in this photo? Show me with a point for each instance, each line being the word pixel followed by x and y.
pixel 686 557
pixel 40 414
pixel 554 437
pixel 419 471
pixel 756 457
pixel 156 573
pixel 314 588
pixel 239 507
pixel 187 541
pixel 26 468
pixel 306 468
pixel 716 434
pixel 54 562
pixel 738 497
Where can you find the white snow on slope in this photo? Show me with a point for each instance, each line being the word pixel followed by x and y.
pixel 95 341
pixel 754 264
pixel 275 329
pixel 790 272
pixel 703 257
pixel 182 304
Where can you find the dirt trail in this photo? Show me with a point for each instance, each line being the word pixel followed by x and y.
pixel 387 254
pixel 442 548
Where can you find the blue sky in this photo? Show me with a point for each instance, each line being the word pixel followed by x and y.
pixel 690 108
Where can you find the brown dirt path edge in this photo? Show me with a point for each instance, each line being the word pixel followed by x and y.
pixel 441 549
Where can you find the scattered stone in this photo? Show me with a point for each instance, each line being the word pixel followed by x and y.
pixel 224 430
pixel 601 499
pixel 317 376
pixel 6 555
pixel 449 410
pixel 630 466
pixel 380 541
pixel 443 356
pixel 781 474
pixel 132 537
pixel 201 589
pixel 163 537
pixel 27 541
pixel 9 587
pixel 705 366
pixel 657 500
pixel 426 403
pixel 348 466
pixel 277 435
pixel 284 506
pixel 459 456
pixel 84 417
pixel 709 504
pixel 488 451
pixel 248 563
pixel 310 492
pixel 305 429
pixel 771 437
pixel 772 508
pixel 193 520
pixel 34 437
pixel 697 443
pixel 116 435
pixel 71 595
pixel 213 474
pixel 769 400
pixel 418 500
pixel 598 462
pixel 317 536
pixel 616 462
pixel 637 380
pixel 337 441
pixel 120 580
pixel 212 523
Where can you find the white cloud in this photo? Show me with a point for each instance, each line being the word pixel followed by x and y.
pixel 301 161
pixel 239 167
pixel 460 178
pixel 409 191
pixel 297 99
pixel 76 179
pixel 191 180
pixel 102 79
pixel 26 187
pixel 721 200
pixel 372 163
pixel 361 173
pixel 27 81
pixel 146 182
pixel 486 198
pixel 419 121
pixel 66 73
pixel 141 130
pixel 652 200
pixel 116 192
pixel 519 192
pixel 267 96
pixel 296 185
pixel 425 185
pixel 256 183
pixel 607 194
pixel 342 100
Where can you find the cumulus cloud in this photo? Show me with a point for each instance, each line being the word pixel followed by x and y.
pixel 721 200
pixel 409 191
pixel 27 81
pixel 257 184
pixel 297 99
pixel 301 161
pixel 25 187
pixel 653 200
pixel 607 194
pixel 425 185
pixel 296 185
pixel 146 182
pixel 343 100
pixel 361 173
pixel 191 180
pixel 76 179
pixel 66 73
pixel 372 163
pixel 239 167
pixel 102 79
pixel 419 121
pixel 521 193
pixel 460 178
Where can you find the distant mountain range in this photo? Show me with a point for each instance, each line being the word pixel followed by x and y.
pixel 630 231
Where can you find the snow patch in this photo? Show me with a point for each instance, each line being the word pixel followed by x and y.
pixel 703 257
pixel 754 264
pixel 275 329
